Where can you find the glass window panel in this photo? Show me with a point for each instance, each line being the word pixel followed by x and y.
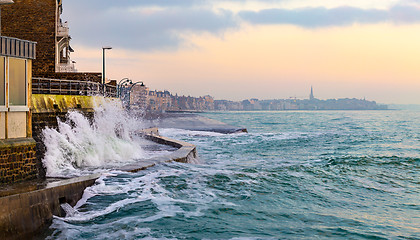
pixel 2 81
pixel 17 82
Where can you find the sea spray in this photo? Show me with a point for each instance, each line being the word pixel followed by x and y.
pixel 78 144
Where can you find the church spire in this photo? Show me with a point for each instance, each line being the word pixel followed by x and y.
pixel 311 97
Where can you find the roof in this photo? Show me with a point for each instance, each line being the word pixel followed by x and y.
pixel 2 2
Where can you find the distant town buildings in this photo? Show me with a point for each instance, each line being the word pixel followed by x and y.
pixel 160 101
pixel 141 97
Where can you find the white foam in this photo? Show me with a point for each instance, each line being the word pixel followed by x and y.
pixel 68 209
pixel 173 132
pixel 78 144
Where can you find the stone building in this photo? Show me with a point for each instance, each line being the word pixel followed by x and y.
pixel 158 101
pixel 40 21
pixel 138 96
pixel 17 147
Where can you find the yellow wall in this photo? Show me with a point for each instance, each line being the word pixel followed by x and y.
pixel 63 103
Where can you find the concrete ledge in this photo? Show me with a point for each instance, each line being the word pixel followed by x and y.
pixel 17 142
pixel 185 151
pixel 23 214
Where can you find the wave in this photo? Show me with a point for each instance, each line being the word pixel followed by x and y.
pixel 78 144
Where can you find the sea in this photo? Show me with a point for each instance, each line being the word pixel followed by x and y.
pixel 294 175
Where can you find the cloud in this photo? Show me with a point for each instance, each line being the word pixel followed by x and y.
pixel 148 25
pixel 106 4
pixel 132 25
pixel 323 17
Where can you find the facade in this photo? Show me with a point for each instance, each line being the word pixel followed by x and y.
pixel 17 148
pixel 40 21
pixel 138 96
pixel 160 101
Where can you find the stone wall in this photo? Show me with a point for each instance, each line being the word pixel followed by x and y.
pixel 24 214
pixel 33 20
pixel 17 160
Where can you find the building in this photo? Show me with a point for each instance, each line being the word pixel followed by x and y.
pixel 311 96
pixel 17 148
pixel 40 21
pixel 138 96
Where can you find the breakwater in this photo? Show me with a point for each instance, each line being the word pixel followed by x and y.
pixel 28 212
pixel 186 152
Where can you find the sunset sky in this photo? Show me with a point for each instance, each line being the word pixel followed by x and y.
pixel 266 49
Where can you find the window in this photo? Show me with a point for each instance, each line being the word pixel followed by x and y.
pixel 2 81
pixel 17 82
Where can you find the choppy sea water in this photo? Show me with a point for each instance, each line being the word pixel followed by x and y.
pixel 295 175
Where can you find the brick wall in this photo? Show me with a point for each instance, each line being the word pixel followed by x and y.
pixel 33 20
pixel 17 160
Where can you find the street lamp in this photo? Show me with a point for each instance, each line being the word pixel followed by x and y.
pixel 129 91
pixel 103 67
pixel 123 81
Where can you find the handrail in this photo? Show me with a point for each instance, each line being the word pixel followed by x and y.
pixel 15 47
pixel 71 87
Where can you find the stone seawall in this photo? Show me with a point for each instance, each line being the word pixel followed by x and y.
pixel 23 214
pixel 185 153
pixel 17 160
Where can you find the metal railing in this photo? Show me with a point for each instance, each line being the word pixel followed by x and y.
pixel 71 87
pixel 15 47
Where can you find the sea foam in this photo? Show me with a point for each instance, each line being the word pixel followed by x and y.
pixel 78 144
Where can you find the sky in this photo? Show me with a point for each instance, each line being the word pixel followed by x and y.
pixel 266 49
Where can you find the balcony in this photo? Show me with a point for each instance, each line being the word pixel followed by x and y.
pixel 14 47
pixel 66 67
pixel 63 30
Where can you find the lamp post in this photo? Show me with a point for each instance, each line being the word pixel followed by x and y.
pixel 121 83
pixel 129 91
pixel 103 67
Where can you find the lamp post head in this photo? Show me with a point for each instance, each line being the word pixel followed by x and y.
pixel 107 48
